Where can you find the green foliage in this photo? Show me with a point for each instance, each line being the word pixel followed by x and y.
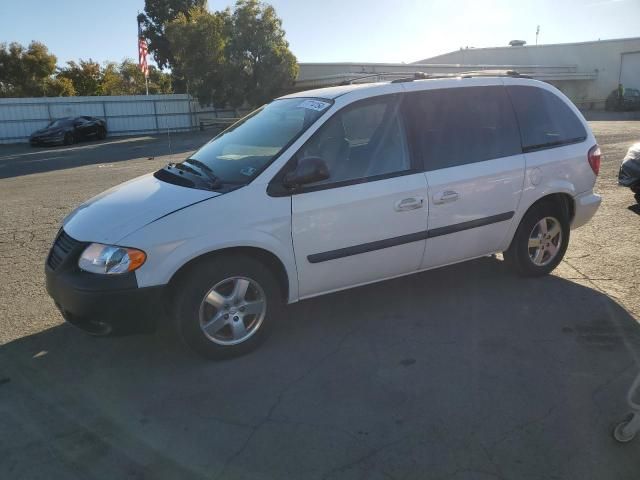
pixel 233 57
pixel 86 76
pixel 59 87
pixel 24 71
pixel 127 79
pixel 198 42
pixel 31 72
pixel 158 14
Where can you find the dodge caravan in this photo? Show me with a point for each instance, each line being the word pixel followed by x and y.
pixel 326 190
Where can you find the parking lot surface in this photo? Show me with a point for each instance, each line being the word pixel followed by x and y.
pixel 466 372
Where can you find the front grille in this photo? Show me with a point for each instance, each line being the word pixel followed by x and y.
pixel 62 247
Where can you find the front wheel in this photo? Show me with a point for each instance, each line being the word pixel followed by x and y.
pixel 540 241
pixel 68 138
pixel 227 306
pixel 101 133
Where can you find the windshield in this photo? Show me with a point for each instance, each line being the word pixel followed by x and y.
pixel 241 152
pixel 59 123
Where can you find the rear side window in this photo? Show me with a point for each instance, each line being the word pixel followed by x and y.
pixel 545 120
pixel 458 126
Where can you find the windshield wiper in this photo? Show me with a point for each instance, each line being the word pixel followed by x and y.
pixel 204 168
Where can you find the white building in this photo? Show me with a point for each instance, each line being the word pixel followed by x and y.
pixel 586 72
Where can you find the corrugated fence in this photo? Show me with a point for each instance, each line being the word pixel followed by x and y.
pixel 125 115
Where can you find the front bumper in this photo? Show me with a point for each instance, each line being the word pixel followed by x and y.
pixel 101 304
pixel 586 205
pixel 47 140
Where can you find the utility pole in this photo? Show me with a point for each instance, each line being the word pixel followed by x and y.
pixel 537 33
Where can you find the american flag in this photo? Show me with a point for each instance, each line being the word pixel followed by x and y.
pixel 142 53
pixel 142 56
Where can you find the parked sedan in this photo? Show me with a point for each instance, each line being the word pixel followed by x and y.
pixel 66 131
pixel 629 101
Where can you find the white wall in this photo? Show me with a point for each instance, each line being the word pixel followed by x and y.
pixel 125 115
pixel 600 57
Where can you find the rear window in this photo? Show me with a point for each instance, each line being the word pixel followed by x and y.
pixel 458 126
pixel 545 120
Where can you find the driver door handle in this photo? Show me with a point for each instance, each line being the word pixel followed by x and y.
pixel 445 197
pixel 410 203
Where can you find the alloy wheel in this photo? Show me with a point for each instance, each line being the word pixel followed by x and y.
pixel 232 311
pixel 545 241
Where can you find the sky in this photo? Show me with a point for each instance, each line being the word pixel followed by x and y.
pixel 335 30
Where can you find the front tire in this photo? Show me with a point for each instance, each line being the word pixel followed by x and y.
pixel 540 241
pixel 68 138
pixel 227 306
pixel 101 133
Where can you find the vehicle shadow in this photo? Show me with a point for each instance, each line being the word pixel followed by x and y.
pixel 18 160
pixel 635 208
pixel 463 372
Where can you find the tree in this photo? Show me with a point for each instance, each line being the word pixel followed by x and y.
pixel 86 76
pixel 261 62
pixel 24 71
pixel 233 57
pixel 158 14
pixel 59 87
pixel 127 79
pixel 198 42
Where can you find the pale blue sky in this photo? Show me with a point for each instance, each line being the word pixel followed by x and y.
pixel 336 30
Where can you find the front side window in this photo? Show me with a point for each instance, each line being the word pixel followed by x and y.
pixel 458 126
pixel 242 151
pixel 361 141
pixel 545 120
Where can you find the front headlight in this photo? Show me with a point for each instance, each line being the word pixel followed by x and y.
pixel 110 260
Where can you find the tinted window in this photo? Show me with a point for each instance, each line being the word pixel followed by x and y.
pixel 364 140
pixel 544 119
pixel 457 126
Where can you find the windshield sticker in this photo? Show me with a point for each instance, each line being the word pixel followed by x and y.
pixel 316 105
pixel 248 171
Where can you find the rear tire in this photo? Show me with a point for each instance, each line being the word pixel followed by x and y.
pixel 637 197
pixel 68 139
pixel 101 134
pixel 227 306
pixel 540 241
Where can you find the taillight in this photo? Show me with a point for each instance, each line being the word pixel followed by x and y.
pixel 595 155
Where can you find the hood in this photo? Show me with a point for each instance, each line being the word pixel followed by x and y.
pixel 120 211
pixel 47 130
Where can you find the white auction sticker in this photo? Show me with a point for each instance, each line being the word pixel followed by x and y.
pixel 316 105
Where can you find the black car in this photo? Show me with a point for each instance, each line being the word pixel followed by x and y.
pixel 66 131
pixel 630 100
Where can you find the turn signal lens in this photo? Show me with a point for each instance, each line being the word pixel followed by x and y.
pixel 594 157
pixel 110 260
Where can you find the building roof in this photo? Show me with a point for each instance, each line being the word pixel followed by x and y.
pixel 541 46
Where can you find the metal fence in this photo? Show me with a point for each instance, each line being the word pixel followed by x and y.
pixel 125 115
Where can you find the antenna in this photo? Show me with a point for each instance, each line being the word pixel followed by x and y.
pixel 537 33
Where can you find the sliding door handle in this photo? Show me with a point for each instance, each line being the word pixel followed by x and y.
pixel 445 197
pixel 411 203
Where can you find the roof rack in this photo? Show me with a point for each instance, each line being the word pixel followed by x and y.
pixel 493 73
pixel 429 76
pixel 373 75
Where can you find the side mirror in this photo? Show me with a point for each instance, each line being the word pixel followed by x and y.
pixel 309 170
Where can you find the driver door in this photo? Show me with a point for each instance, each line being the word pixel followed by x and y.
pixel 368 220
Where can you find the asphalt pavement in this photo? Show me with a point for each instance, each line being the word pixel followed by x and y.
pixel 465 372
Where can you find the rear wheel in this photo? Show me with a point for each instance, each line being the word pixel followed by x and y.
pixel 540 241
pixel 68 138
pixel 227 306
pixel 102 133
pixel 637 197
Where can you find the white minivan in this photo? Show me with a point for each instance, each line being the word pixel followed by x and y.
pixel 326 190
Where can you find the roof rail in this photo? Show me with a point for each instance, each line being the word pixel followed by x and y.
pixel 373 75
pixel 493 73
